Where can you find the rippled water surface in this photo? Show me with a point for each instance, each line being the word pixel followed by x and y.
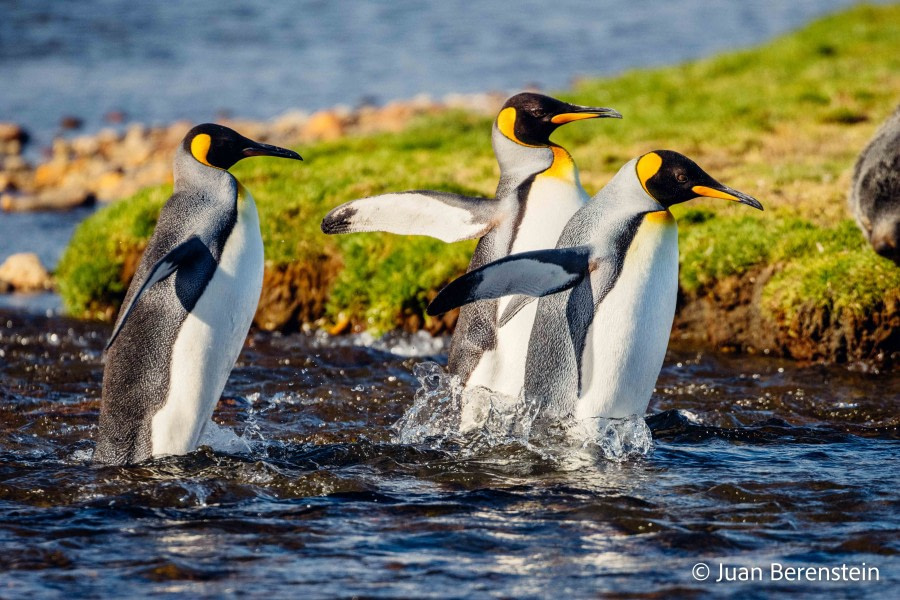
pixel 311 492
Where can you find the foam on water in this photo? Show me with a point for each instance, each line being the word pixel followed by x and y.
pixel 435 419
pixel 419 344
pixel 224 439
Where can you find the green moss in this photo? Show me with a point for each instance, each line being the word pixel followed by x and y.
pixel 832 74
pixel 853 280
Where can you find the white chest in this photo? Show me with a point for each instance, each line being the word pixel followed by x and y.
pixel 551 203
pixel 626 342
pixel 211 338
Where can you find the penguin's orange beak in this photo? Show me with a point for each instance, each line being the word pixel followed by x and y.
pixel 726 193
pixel 575 112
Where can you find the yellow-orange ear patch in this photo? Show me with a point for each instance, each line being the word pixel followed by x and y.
pixel 648 166
pixel 506 123
pixel 200 147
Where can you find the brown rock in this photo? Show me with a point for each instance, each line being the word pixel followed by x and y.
pixel 290 125
pixel 50 174
pixel 58 198
pixel 12 132
pixel 108 186
pixel 10 148
pixel 324 125
pixel 25 273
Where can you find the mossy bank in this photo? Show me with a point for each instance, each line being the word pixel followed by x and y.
pixel 783 122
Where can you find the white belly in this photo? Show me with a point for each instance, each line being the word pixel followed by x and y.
pixel 626 342
pixel 552 203
pixel 211 338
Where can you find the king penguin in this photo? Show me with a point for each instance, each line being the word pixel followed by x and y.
pixel 607 291
pixel 189 306
pixel 538 192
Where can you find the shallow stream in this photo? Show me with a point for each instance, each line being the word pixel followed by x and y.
pixel 313 489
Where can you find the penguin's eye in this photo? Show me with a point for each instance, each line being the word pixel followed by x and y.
pixel 681 178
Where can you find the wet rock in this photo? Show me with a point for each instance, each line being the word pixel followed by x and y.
pixel 24 273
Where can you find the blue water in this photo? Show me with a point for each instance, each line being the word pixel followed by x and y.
pixel 162 61
pixel 754 461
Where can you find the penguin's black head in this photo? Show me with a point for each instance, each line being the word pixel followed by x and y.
pixel 671 178
pixel 529 119
pixel 221 147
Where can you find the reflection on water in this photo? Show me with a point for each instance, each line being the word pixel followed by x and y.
pixel 753 460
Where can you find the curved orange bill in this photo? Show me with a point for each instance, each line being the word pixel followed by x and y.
pixel 577 113
pixel 726 193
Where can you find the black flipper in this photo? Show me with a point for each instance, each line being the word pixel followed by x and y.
pixel 190 250
pixel 537 273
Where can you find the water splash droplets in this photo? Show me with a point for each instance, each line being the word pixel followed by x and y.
pixel 445 415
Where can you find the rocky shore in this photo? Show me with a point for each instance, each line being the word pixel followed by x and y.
pixel 113 164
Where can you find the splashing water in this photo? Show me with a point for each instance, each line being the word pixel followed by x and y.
pixel 444 415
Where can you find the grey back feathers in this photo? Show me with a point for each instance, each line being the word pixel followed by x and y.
pixel 875 192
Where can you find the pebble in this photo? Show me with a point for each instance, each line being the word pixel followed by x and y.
pixel 24 272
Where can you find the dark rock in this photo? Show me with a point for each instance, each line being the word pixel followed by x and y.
pixel 70 122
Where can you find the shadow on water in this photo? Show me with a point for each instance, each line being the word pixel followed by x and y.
pixel 753 460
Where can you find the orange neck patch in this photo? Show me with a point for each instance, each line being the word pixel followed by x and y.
pixel 200 147
pixel 563 167
pixel 659 217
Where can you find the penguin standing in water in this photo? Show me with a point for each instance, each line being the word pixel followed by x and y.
pixel 189 306
pixel 538 192
pixel 607 291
